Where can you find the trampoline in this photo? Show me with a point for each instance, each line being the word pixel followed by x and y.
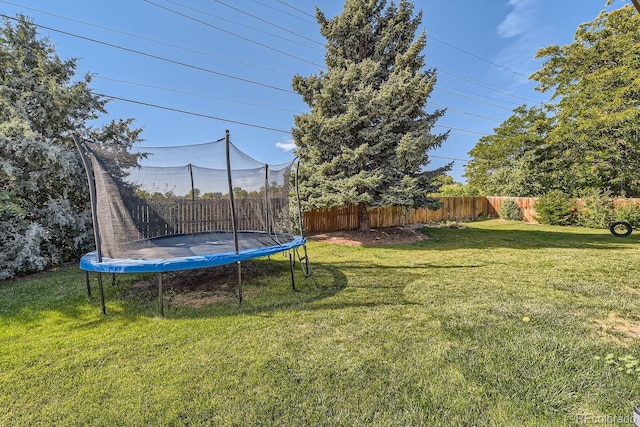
pixel 183 207
pixel 187 252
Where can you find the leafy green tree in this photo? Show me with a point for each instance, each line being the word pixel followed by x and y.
pixel 214 195
pixel 448 187
pixel 508 162
pixel 596 86
pixel 367 135
pixel 193 194
pixel 44 210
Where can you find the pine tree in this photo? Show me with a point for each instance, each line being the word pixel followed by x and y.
pixel 367 135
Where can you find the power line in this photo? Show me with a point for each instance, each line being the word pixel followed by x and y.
pixel 449 158
pixel 295 8
pixel 482 84
pixel 473 99
pixel 147 39
pixel 440 85
pixel 194 94
pixel 242 25
pixel 206 116
pixel 282 11
pixel 465 112
pixel 502 67
pixel 137 52
pixel 462 130
pixel 267 22
pixel 231 33
pixel 260 105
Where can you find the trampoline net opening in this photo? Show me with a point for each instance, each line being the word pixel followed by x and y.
pixel 147 194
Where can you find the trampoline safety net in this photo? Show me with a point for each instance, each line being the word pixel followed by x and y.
pixel 148 194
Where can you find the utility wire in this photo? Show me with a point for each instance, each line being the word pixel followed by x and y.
pixel 465 112
pixel 147 39
pixel 482 84
pixel 440 85
pixel 502 67
pixel 270 107
pixel 462 130
pixel 137 52
pixel 242 25
pixel 206 116
pixel 267 22
pixel 194 94
pixel 449 158
pixel 231 33
pixel 473 99
pixel 295 8
pixel 282 11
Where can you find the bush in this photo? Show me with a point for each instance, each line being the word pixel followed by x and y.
pixel 629 212
pixel 511 210
pixel 595 210
pixel 554 208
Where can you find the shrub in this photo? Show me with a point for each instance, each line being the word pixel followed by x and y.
pixel 554 208
pixel 511 210
pixel 629 212
pixel 595 210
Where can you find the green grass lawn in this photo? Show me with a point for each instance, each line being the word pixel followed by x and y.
pixel 430 333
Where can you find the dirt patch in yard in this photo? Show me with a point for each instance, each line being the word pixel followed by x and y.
pixel 618 329
pixel 377 236
pixel 200 287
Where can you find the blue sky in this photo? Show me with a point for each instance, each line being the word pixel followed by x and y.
pixel 188 70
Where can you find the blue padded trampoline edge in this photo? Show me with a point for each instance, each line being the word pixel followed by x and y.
pixel 89 262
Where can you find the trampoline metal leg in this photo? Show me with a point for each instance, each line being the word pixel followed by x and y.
pixel 160 299
pixel 239 285
pixel 104 308
pixel 291 263
pixel 88 281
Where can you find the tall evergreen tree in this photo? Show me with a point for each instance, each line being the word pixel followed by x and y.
pixel 44 210
pixel 368 133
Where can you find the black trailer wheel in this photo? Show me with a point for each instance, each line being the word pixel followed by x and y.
pixel 620 229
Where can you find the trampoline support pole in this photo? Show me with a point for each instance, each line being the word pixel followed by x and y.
pixel 234 223
pixel 88 280
pixel 160 299
pixel 239 285
pixel 293 280
pixel 104 308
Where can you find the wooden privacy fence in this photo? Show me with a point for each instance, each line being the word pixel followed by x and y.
pixel 186 216
pixel 453 209
pixel 525 204
pixel 213 214
pixel 346 218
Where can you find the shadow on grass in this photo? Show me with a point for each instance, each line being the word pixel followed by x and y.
pixel 525 236
pixel 266 287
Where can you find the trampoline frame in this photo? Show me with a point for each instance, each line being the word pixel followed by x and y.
pixel 96 262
